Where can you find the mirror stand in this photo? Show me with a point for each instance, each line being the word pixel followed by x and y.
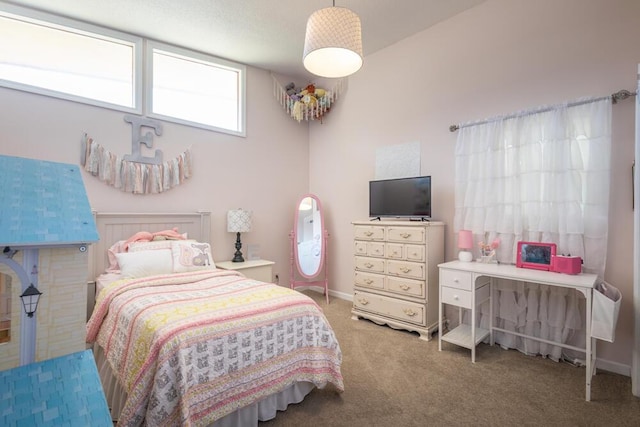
pixel 324 283
pixel 309 245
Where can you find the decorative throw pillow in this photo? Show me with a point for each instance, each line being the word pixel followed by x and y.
pixel 145 263
pixel 191 255
pixel 152 245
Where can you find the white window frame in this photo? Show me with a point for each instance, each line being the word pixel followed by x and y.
pixel 142 63
pixel 151 45
pixel 81 28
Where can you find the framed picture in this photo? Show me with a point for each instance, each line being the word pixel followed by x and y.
pixel 535 255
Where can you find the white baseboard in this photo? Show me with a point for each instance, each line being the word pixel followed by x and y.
pixel 615 367
pixel 319 289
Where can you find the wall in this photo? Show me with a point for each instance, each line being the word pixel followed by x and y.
pixel 499 57
pixel 265 172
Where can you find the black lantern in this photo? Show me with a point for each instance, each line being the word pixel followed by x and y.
pixel 30 298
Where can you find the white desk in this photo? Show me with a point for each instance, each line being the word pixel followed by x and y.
pixel 468 284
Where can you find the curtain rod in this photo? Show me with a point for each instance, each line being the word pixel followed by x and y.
pixel 615 97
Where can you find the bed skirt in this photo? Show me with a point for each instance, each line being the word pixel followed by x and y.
pixel 264 410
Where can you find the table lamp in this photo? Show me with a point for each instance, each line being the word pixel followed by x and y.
pixel 238 221
pixel 465 244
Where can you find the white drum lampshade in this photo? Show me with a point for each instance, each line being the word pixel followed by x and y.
pixel 465 244
pixel 238 221
pixel 333 43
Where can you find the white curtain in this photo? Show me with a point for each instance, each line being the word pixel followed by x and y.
pixel 542 176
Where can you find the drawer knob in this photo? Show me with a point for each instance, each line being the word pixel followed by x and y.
pixel 368 281
pixel 456 280
pixel 368 264
pixel 405 235
pixel 456 297
pixel 368 233
pixel 405 287
pixel 409 312
pixel 405 269
pixel 363 301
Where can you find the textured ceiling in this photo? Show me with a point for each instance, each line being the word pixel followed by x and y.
pixel 267 34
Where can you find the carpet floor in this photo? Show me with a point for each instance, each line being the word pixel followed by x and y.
pixel 392 378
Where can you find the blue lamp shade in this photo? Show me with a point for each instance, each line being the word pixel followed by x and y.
pixel 30 298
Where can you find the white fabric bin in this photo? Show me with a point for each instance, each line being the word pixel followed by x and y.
pixel 604 314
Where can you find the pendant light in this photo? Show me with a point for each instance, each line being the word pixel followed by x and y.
pixel 333 42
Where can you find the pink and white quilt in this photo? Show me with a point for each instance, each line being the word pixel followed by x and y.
pixel 190 348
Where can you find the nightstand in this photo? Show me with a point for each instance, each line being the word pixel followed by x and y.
pixel 259 269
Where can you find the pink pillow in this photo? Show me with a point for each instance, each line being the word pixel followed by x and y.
pixel 116 248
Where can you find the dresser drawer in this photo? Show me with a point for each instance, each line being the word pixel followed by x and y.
pixel 375 249
pixel 360 247
pixel 411 270
pixel 370 264
pixel 455 296
pixel 456 279
pixel 369 280
pixel 406 234
pixel 390 307
pixel 410 287
pixel 369 232
pixel 369 248
pixel 414 253
pixel 395 250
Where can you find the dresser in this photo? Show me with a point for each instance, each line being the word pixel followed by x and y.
pixel 396 273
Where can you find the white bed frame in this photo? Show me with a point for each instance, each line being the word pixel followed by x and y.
pixel 113 227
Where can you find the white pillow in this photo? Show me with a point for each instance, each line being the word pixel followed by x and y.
pixel 191 256
pixel 145 263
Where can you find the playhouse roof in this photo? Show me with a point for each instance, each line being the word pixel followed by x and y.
pixel 43 204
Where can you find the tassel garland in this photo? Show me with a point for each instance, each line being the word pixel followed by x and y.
pixel 134 177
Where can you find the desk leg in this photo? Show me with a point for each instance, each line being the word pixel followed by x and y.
pixel 491 337
pixel 590 351
pixel 473 327
pixel 439 323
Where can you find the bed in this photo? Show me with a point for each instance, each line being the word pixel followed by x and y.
pixel 183 343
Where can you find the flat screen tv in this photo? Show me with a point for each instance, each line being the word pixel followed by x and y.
pixel 399 198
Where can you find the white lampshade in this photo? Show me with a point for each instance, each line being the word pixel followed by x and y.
pixel 238 221
pixel 333 43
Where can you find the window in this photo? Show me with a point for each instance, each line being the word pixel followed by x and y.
pixel 80 63
pixel 191 88
pixel 58 57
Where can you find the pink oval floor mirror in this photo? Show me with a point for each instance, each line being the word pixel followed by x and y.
pixel 309 245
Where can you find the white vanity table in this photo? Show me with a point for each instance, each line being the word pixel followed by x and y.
pixel 468 284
